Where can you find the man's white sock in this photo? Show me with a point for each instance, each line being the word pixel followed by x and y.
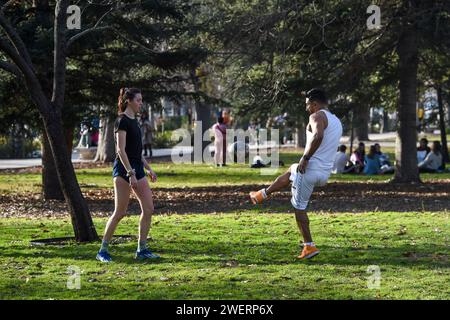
pixel 311 244
pixel 263 192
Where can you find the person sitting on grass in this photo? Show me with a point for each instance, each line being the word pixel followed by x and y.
pixel 340 161
pixel 433 161
pixel 372 162
pixel 386 166
pixel 422 150
pixel 357 158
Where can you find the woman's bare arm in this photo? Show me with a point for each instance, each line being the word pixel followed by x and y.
pixel 121 136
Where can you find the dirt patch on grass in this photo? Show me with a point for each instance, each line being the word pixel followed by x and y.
pixel 334 197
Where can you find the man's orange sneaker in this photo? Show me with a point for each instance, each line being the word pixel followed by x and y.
pixel 257 196
pixel 308 252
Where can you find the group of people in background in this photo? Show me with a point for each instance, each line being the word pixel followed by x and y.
pixel 377 162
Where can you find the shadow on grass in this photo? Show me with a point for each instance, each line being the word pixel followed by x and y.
pixel 262 254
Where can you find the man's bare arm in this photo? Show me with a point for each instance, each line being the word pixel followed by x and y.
pixel 317 123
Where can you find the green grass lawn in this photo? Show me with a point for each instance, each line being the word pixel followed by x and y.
pixel 182 175
pixel 243 255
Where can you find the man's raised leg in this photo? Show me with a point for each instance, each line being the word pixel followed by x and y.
pixel 280 183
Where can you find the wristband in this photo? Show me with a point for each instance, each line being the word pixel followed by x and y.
pixel 306 157
pixel 130 173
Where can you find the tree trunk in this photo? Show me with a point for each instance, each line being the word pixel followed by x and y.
pixel 362 120
pixel 106 149
pixel 203 114
pixel 448 112
pixel 442 126
pixel 51 189
pixel 68 132
pixel 405 153
pixel 16 141
pixel 50 112
pixel 300 134
pixel 385 124
pixel 83 225
pixel 352 131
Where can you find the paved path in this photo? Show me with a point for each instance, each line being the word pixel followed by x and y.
pixel 25 163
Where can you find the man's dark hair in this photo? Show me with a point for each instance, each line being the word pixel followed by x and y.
pixel 342 148
pixel 317 95
pixel 220 119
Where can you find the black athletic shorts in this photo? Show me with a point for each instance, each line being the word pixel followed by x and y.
pixel 120 171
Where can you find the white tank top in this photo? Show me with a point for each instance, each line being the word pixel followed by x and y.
pixel 323 158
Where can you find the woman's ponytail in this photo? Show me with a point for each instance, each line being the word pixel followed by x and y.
pixel 122 102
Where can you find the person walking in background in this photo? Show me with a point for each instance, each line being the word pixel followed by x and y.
pixel 433 161
pixel 220 131
pixel 147 134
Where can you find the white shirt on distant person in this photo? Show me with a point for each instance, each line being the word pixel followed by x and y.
pixel 340 162
pixel 432 161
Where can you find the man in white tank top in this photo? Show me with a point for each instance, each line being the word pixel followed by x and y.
pixel 323 133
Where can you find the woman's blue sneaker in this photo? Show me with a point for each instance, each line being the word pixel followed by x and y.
pixel 103 256
pixel 146 254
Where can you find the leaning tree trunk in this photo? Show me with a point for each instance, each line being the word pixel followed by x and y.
pixel 442 126
pixel 362 121
pixel 50 112
pixel 51 189
pixel 83 225
pixel 106 149
pixel 405 151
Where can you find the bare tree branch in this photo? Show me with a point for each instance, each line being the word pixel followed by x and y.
pixel 89 30
pixel 15 39
pixel 12 53
pixel 85 32
pixel 29 76
pixel 59 60
pixel 11 68
pixel 6 5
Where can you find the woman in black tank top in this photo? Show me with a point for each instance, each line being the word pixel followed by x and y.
pixel 129 174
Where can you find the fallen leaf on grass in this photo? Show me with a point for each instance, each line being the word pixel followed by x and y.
pixel 230 263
